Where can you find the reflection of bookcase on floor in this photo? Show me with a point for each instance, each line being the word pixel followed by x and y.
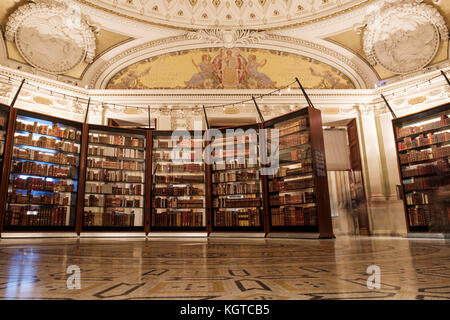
pixel 237 204
pixel 423 148
pixel 178 182
pixel 298 190
pixel 43 175
pixel 115 179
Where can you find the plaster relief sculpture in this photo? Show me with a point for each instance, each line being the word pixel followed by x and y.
pixel 51 36
pixel 403 36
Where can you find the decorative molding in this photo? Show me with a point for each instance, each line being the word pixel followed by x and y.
pixel 227 38
pixel 402 36
pixel 52 36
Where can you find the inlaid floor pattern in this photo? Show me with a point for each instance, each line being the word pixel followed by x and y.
pixel 224 268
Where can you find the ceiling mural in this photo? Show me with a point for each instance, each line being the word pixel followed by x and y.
pixel 223 68
pixel 191 14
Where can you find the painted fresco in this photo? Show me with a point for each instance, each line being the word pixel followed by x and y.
pixel 221 68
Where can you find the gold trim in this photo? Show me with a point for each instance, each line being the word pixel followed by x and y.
pixel 292 25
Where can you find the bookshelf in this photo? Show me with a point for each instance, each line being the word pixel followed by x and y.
pixel 43 174
pixel 178 182
pixel 115 179
pixel 423 149
pixel 298 198
pixel 236 187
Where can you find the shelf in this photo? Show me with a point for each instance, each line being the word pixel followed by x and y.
pixel 234 208
pixel 47 135
pixel 309 204
pixel 46 162
pixel 191 149
pixel 40 176
pixel 18 189
pixel 95 168
pixel 31 147
pixel 305 174
pixel 292 191
pixel 427 146
pixel 105 181
pixel 114 146
pixel 236 194
pixel 238 169
pixel 399 139
pixel 116 158
pixel 237 182
pixel 423 161
pixel 115 194
pixel 283 163
pixel 39 204
pixel 288 134
pixel 106 207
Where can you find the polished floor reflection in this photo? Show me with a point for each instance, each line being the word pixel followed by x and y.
pixel 224 268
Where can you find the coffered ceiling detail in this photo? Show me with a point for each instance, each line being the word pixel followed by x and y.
pixel 199 14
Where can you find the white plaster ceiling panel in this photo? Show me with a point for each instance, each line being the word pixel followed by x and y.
pixel 194 14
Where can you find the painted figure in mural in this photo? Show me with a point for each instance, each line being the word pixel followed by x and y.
pixel 330 81
pixel 206 72
pixel 232 68
pixel 262 80
pixel 131 80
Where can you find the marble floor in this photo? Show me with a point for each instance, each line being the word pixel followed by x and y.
pixel 224 268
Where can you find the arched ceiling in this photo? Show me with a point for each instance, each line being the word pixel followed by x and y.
pixel 255 14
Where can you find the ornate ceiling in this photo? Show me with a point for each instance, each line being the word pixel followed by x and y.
pixel 255 14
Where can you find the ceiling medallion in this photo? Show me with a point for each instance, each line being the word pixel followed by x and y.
pixel 227 38
pixel 53 36
pixel 403 36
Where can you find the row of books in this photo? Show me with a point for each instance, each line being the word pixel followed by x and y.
pixel 118 164
pixel 236 203
pixel 424 183
pixel 59 158
pixel 57 198
pixel 183 218
pixel 281 185
pixel 47 170
pixel 249 217
pixel 434 153
pixel 303 197
pixel 179 168
pixel 235 188
pixel 108 219
pixel 111 201
pixel 178 191
pixel 178 156
pixel 298 125
pixel 417 198
pixel 418 171
pixel 113 176
pixel 184 143
pixel 116 152
pixel 179 179
pixel 293 140
pixel 423 140
pixel 294 216
pixel 116 140
pixel 306 167
pixel 418 216
pixel 47 143
pixel 297 155
pixel 109 188
pixel 41 184
pixel 54 130
pixel 27 216
pixel 233 165
pixel 177 203
pixel 406 131
pixel 234 176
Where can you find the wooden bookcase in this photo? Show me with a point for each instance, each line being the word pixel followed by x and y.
pixel 298 196
pixel 178 182
pixel 236 185
pixel 41 173
pixel 423 150
pixel 115 180
pixel 123 180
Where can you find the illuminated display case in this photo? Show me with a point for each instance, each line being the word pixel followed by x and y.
pixel 43 174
